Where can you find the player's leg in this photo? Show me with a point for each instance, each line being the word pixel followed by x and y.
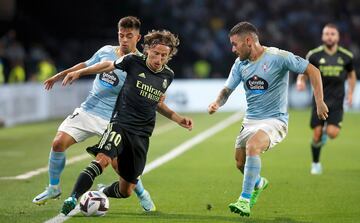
pixel 332 131
pixel 257 143
pixel 57 158
pixel 316 144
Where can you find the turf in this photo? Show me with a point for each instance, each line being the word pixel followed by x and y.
pixel 198 185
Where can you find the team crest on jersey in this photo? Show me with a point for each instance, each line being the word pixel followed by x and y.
pixel 165 83
pixel 340 61
pixel 257 85
pixel 322 61
pixel 109 79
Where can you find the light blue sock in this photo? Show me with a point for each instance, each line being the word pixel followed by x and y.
pixel 258 181
pixel 251 174
pixel 139 188
pixel 56 166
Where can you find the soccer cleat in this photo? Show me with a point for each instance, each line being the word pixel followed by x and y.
pixel 51 192
pixel 241 206
pixel 68 206
pixel 257 191
pixel 316 169
pixel 146 202
pixel 100 187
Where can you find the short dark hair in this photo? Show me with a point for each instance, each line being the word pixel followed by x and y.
pixel 129 22
pixel 163 37
pixel 243 28
pixel 332 25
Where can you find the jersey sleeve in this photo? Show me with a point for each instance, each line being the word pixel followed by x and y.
pixel 295 63
pixel 234 78
pixel 350 65
pixel 122 62
pixel 96 57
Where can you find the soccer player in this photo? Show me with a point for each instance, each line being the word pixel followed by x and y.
pixel 133 119
pixel 95 112
pixel 264 72
pixel 336 66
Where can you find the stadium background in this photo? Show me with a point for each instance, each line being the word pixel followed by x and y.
pixel 62 33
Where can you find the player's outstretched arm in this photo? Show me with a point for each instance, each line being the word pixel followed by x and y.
pixel 104 66
pixel 220 100
pixel 49 83
pixel 183 121
pixel 352 83
pixel 315 79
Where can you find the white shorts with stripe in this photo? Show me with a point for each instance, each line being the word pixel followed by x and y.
pixel 82 125
pixel 274 128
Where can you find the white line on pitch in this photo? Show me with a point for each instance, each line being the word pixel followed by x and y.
pixel 161 129
pixel 177 151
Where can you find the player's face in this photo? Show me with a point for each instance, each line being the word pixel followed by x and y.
pixel 128 38
pixel 240 46
pixel 330 36
pixel 157 56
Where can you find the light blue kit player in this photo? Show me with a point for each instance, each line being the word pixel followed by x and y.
pixel 265 73
pixel 95 112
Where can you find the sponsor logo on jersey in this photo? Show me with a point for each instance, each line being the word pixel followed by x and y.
pixel 257 85
pixel 109 79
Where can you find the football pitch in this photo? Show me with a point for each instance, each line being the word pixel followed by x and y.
pixel 198 185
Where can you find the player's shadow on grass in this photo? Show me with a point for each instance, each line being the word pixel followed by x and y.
pixel 161 216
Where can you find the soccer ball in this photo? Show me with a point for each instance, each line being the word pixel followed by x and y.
pixel 94 203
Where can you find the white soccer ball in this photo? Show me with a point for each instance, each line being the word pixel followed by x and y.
pixel 94 203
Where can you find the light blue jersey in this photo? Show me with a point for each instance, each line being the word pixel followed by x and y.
pixel 106 86
pixel 266 82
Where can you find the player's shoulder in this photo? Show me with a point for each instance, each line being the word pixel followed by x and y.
pixel 107 49
pixel 274 51
pixel 346 52
pixel 169 71
pixel 315 51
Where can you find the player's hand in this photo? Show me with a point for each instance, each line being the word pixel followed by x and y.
pixel 49 83
pixel 300 85
pixel 162 98
pixel 322 110
pixel 213 107
pixel 349 99
pixel 186 122
pixel 71 77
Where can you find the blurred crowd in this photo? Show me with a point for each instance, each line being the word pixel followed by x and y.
pixel 202 26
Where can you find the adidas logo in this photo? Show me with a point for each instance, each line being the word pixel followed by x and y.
pixel 142 75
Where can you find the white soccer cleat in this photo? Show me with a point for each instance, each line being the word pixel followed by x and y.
pixel 146 203
pixel 51 192
pixel 316 169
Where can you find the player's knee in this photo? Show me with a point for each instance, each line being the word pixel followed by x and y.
pixel 59 145
pixel 252 148
pixel 332 134
pixel 103 160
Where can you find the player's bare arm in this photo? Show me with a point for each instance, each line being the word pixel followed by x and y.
pixel 183 121
pixel 49 83
pixel 104 66
pixel 352 83
pixel 220 100
pixel 315 79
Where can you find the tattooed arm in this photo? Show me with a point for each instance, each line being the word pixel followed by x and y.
pixel 220 100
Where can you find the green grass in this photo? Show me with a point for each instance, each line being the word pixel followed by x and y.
pixel 183 188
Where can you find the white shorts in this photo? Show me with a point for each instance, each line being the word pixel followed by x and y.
pixel 82 125
pixel 274 128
